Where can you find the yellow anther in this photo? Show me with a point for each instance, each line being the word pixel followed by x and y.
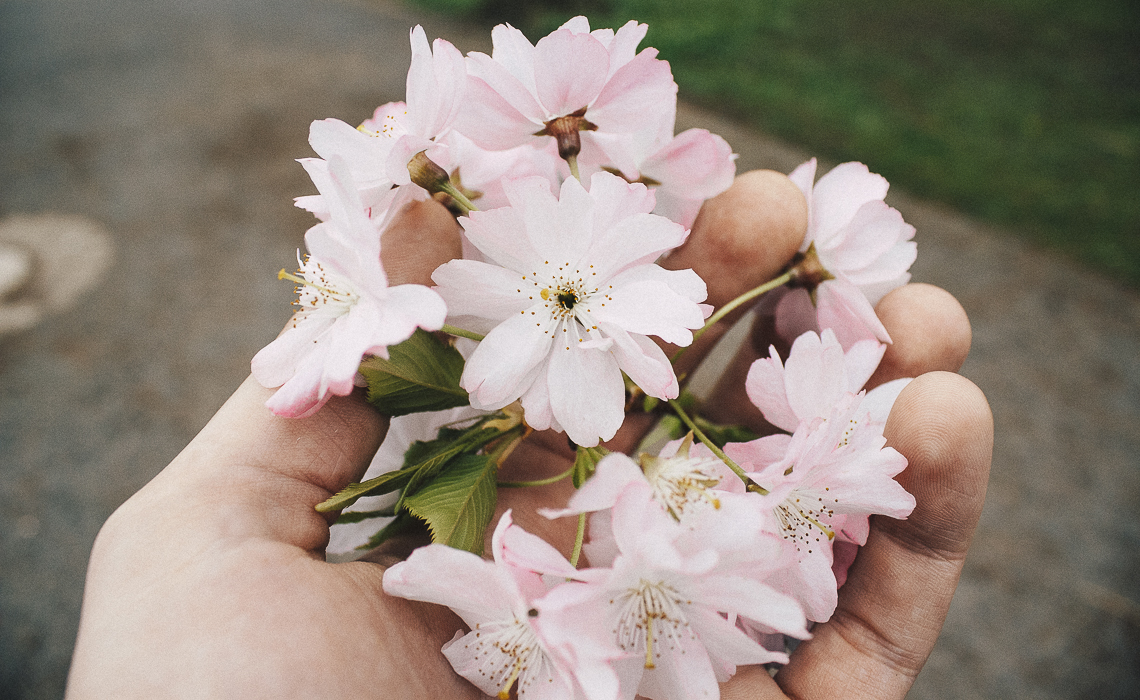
pixel 649 643
pixel 505 693
pixel 283 275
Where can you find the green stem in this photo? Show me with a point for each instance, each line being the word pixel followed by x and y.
pixel 460 199
pixel 579 538
pixel 735 304
pixel 752 485
pixel 452 330
pixel 537 482
pixel 572 161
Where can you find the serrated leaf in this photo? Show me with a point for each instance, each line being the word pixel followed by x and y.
pixel 385 483
pixel 459 502
pixel 356 516
pixel 403 522
pixel 422 460
pixel 423 450
pixel 420 374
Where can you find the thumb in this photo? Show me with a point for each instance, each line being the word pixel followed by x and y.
pixel 267 471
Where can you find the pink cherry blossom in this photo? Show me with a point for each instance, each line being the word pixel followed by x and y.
pixel 505 645
pixel 817 375
pixel 568 295
pixel 681 483
pixel 626 100
pixel 662 601
pixel 863 243
pixel 347 310
pixel 481 173
pixel 692 167
pixel 683 172
pixel 832 470
pixel 377 152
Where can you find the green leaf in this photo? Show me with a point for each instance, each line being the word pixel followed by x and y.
pixel 423 450
pixel 402 523
pixel 420 374
pixel 458 503
pixel 435 455
pixel 385 483
pixel 357 516
pixel 423 460
pixel 723 434
pixel 585 463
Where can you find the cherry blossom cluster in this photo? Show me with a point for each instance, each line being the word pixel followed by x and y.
pixel 560 162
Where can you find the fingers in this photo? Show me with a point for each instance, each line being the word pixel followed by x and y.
pixel 250 473
pixel 279 468
pixel 897 593
pixel 742 238
pixel 930 331
pixel 928 327
pixel 423 237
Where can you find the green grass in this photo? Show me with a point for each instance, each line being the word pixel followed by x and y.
pixel 1025 113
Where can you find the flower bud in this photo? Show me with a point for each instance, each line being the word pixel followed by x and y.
pixel 427 174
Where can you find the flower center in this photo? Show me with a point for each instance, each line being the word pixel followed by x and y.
pixel 389 125
pixel 320 291
pixel 568 300
pixel 651 613
pixel 510 654
pixel 802 520
pixel 680 483
pixel 569 296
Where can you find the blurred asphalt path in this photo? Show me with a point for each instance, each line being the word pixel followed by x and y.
pixel 171 127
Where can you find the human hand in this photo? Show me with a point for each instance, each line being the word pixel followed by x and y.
pixel 211 580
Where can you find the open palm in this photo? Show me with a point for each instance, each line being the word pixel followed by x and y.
pixel 211 581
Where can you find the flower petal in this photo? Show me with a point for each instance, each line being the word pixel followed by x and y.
pixel 644 361
pixel 814 375
pixel 473 288
pixel 614 472
pixel 838 195
pixel 569 71
pixel 587 394
pixel 767 391
pixel 494 383
pixel 644 301
pixel 476 589
pixel 844 309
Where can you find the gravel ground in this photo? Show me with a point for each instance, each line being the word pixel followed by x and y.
pixel 157 140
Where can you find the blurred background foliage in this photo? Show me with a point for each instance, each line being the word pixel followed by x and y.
pixel 1025 113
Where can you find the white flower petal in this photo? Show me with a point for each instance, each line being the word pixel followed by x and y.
pixel 644 361
pixel 766 389
pixel 814 376
pixel 587 393
pixel 838 195
pixel 493 382
pixel 487 592
pixel 473 288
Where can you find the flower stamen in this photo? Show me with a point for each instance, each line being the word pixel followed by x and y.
pixel 680 482
pixel 283 275
pixel 649 610
pixel 649 643
pixel 505 692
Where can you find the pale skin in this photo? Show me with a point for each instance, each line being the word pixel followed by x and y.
pixel 211 580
